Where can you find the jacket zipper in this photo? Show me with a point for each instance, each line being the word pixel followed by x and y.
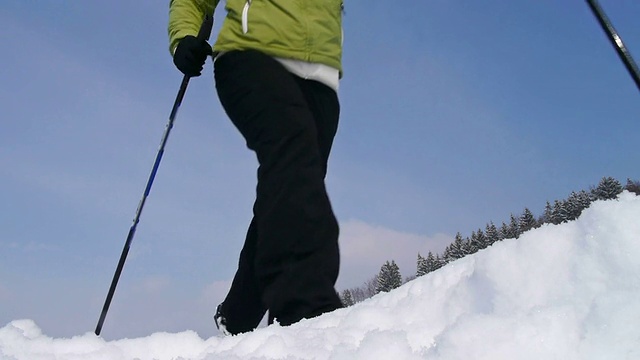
pixel 245 17
pixel 341 27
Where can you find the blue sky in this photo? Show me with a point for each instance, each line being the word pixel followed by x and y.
pixel 453 114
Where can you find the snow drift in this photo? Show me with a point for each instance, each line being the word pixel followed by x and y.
pixel 568 291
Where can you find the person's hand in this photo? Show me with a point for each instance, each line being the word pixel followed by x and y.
pixel 191 54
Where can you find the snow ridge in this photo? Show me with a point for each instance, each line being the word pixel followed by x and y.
pixel 567 291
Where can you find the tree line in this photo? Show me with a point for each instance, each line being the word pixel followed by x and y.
pixel 560 211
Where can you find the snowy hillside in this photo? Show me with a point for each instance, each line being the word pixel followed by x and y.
pixel 569 291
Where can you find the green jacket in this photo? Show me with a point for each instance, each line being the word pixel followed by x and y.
pixel 307 30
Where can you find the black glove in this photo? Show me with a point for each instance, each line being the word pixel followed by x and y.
pixel 191 54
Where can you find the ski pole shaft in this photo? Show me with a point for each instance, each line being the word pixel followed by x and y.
pixel 616 41
pixel 205 31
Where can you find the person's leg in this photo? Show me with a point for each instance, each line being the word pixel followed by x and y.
pixel 322 101
pixel 296 260
pixel 325 107
pixel 243 309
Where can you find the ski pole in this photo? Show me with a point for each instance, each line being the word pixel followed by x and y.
pixel 616 41
pixel 203 34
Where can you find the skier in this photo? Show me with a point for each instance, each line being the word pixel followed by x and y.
pixel 277 67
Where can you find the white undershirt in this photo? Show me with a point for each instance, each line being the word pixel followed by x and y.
pixel 312 71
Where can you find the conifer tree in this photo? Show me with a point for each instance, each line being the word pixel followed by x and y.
pixel 421 266
pixel 527 221
pixel 439 262
pixel 584 199
pixel 560 213
pixel 491 232
pixel 432 263
pixel 475 242
pixel 347 298
pixel 608 188
pixel 576 203
pixel 358 294
pixel 446 256
pixel 455 250
pixel 480 240
pixel 471 245
pixel 504 231
pixel 632 186
pixel 547 216
pixel 511 231
pixel 573 206
pixel 389 277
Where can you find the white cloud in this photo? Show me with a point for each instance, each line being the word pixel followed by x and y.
pixel 214 293
pixel 365 247
pixel 155 284
pixel 27 246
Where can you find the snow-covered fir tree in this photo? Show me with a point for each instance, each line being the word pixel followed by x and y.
pixel 527 221
pixel 421 266
pixel 584 199
pixel 432 263
pixel 560 213
pixel 576 203
pixel 455 250
pixel 347 298
pixel 471 245
pixel 547 216
pixel 492 234
pixel 439 262
pixel 389 277
pixel 633 186
pixel 478 240
pixel 467 247
pixel 510 231
pixel 608 188
pixel 504 231
pixel 572 206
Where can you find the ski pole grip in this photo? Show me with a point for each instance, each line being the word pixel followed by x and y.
pixel 205 28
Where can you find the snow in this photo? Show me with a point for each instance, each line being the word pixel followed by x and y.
pixel 568 291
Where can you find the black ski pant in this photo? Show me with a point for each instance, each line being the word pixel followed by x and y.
pixel 290 259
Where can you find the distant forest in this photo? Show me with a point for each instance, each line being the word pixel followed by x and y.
pixel 558 212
